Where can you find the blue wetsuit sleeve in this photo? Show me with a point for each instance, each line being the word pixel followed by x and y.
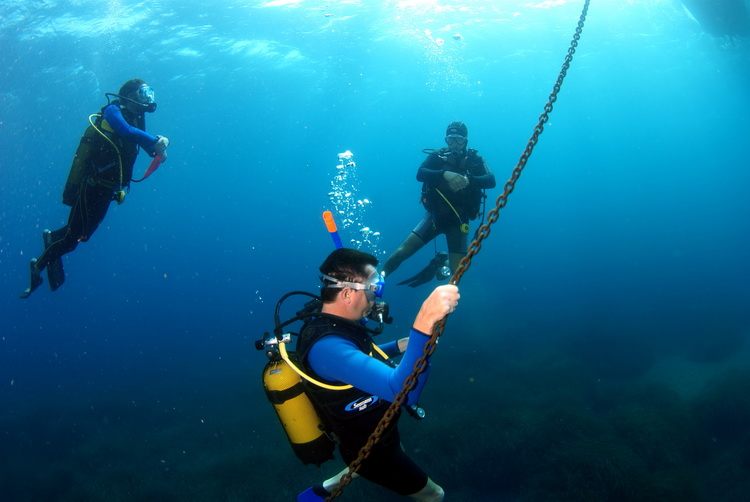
pixel 114 118
pixel 391 348
pixel 339 360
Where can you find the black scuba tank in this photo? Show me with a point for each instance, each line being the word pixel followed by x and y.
pixel 80 167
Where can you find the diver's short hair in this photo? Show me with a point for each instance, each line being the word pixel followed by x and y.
pixel 344 264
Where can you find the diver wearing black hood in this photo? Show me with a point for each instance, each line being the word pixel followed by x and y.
pixel 454 179
pixel 101 172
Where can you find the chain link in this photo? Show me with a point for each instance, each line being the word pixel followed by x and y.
pixel 482 233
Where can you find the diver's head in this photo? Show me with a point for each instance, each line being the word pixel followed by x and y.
pixel 349 275
pixel 456 136
pixel 137 96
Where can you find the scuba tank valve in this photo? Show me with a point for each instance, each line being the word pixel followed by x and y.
pixel 270 345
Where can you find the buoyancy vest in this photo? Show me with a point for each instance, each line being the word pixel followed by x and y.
pixel 466 202
pixel 351 414
pixel 103 158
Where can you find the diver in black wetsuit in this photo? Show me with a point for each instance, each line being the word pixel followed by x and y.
pixel 453 182
pixel 101 172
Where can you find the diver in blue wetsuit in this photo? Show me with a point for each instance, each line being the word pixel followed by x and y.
pixel 339 353
pixel 101 172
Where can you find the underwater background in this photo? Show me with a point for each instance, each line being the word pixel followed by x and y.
pixel 600 350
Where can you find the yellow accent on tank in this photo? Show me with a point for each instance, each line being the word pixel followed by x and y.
pixel 106 126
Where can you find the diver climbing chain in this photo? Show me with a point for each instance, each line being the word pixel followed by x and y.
pixel 482 233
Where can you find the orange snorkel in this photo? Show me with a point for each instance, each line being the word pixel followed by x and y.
pixel 331 226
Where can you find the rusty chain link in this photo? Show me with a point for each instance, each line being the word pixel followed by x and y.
pixel 482 233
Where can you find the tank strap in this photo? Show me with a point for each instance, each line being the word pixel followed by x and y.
pixel 105 183
pixel 279 397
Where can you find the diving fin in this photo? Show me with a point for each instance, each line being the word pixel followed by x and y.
pixel 36 279
pixel 55 272
pixel 313 494
pixel 429 272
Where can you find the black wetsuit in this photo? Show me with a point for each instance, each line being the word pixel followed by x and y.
pixel 105 166
pixel 440 217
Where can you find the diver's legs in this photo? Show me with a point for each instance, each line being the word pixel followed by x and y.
pixel 432 492
pixel 411 245
pixel 90 210
pixel 61 242
pixel 85 216
pixel 330 484
pixel 458 246
pixel 319 493
pixel 455 259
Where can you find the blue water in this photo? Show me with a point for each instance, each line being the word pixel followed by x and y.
pixel 619 264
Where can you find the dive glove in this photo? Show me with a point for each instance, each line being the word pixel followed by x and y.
pixel 455 181
pixel 160 147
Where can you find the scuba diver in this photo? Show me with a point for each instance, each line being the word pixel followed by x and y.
pixel 101 172
pixel 349 380
pixel 454 179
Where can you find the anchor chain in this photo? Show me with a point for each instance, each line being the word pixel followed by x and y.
pixel 482 233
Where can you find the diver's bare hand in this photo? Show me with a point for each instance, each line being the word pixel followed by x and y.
pixel 442 301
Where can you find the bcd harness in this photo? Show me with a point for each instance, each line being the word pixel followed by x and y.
pixel 119 195
pixel 429 202
pixel 92 161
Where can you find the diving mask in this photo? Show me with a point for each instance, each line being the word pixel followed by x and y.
pixel 456 143
pixel 146 97
pixel 373 288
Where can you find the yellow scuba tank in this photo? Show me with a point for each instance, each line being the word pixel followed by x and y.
pixel 282 381
pixel 303 426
